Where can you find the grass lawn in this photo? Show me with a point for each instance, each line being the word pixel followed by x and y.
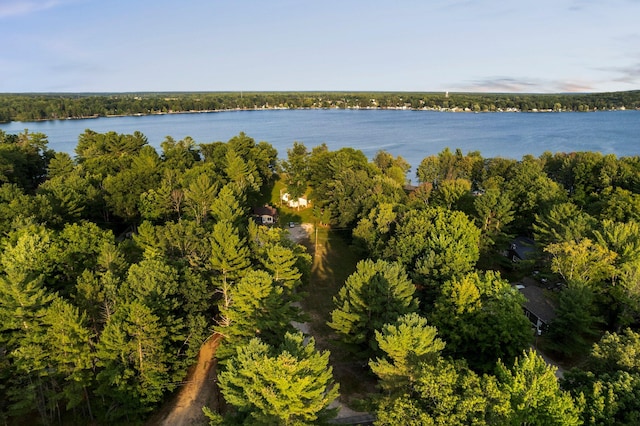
pixel 333 261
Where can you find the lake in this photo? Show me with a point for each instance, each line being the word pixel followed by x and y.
pixel 411 134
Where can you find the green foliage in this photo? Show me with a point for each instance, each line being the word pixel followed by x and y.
pixel 584 263
pixel 134 360
pixel 534 393
pixel 493 212
pixel 22 305
pixel 609 384
pixel 199 197
pixel 72 197
pixel 446 392
pixel 182 241
pixel 564 223
pixel 435 244
pixel 179 155
pixel 406 344
pixel 394 167
pixel 24 159
pixel 29 254
pixel 78 248
pixel 531 191
pixel 447 166
pixel 292 384
pixel 621 238
pixel 348 186
pixel 452 193
pixel 621 205
pixel 229 253
pixel 296 170
pixel 281 263
pixel 226 207
pixel 377 293
pixel 575 325
pixel 480 317
pixel 616 352
pixel 374 231
pixel 256 308
pixel 153 283
pixel 69 348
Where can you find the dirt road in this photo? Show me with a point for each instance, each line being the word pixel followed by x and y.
pixel 198 390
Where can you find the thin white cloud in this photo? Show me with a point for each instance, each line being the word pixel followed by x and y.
pixel 573 86
pixel 515 85
pixel 502 84
pixel 629 74
pixel 10 8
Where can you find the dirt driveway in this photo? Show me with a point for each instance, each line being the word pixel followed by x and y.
pixel 198 390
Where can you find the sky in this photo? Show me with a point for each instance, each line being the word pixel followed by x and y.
pixel 525 46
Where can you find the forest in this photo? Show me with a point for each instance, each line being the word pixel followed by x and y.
pixel 56 106
pixel 118 263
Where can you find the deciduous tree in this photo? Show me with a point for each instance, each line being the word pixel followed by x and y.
pixel 480 317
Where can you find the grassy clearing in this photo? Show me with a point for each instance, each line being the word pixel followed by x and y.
pixel 333 261
pixel 285 213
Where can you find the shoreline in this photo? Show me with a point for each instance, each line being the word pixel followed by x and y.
pixel 455 110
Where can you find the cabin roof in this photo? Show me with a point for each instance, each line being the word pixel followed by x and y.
pixel 538 303
pixel 265 210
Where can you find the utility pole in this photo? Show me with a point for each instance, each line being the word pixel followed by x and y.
pixel 316 249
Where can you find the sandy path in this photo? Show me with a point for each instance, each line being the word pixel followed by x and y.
pixel 199 390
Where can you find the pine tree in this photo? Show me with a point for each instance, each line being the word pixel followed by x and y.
pixel 68 346
pixel 199 196
pixel 229 252
pixel 289 385
pixel 377 293
pixel 23 306
pixel 134 360
pixel 226 206
pixel 534 393
pixel 281 262
pixel 258 309
pixel 406 344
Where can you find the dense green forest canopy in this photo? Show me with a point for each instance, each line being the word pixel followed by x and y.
pixel 116 265
pixel 51 106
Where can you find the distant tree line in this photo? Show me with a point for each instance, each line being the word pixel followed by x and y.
pixel 45 106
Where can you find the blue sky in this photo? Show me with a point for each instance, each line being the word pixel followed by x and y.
pixel 395 45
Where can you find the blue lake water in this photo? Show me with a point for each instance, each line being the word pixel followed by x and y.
pixel 411 134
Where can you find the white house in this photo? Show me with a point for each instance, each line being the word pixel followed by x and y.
pixel 300 202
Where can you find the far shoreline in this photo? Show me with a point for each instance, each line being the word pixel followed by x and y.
pixel 423 109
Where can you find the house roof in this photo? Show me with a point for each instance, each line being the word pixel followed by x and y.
pixel 265 210
pixel 523 247
pixel 537 303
